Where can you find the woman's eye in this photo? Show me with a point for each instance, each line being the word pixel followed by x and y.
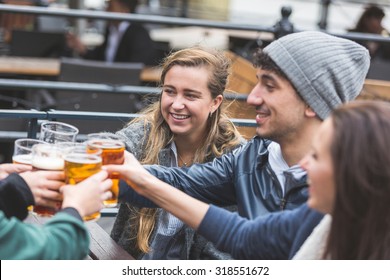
pixel 191 96
pixel 168 91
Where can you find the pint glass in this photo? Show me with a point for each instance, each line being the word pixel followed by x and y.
pixel 80 163
pixel 55 132
pixel 23 149
pixel 113 152
pixel 47 157
pixel 23 153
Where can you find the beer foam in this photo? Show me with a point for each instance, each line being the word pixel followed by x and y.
pixel 22 159
pixel 48 163
pixel 106 144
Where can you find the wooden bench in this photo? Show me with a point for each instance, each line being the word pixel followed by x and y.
pixel 102 246
pixel 375 90
pixel 242 81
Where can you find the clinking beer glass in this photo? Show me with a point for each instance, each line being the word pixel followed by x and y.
pixel 23 150
pixel 47 157
pixel 113 152
pixel 80 163
pixel 56 132
pixel 23 153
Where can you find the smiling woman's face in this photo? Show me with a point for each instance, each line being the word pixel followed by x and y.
pixel 319 167
pixel 186 101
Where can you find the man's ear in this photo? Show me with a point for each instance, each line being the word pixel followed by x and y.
pixel 309 112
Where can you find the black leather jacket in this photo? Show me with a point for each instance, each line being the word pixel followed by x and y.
pixel 243 177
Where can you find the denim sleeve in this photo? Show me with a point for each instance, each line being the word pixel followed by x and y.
pixel 267 237
pixel 127 194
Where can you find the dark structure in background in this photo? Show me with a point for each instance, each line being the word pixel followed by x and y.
pixel 87 71
pixel 38 44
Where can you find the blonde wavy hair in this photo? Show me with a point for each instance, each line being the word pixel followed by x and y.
pixel 222 134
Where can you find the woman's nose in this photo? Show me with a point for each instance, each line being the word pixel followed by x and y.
pixel 178 103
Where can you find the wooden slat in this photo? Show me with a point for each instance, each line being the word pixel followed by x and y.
pixel 103 247
pixel 376 90
pixel 242 80
pixel 51 67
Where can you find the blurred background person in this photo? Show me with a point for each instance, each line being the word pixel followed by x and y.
pixel 371 22
pixel 124 41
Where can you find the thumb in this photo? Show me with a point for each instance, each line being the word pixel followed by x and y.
pixel 112 168
pixel 100 176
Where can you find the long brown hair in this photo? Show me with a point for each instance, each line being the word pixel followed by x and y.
pixel 222 135
pixel 361 215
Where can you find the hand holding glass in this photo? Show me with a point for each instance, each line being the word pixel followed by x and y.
pixel 47 157
pixel 80 163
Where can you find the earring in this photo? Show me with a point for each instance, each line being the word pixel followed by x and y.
pixel 210 114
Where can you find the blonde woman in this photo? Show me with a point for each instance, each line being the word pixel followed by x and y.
pixel 187 125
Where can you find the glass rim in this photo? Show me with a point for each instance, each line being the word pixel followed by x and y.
pixel 83 148
pixel 114 141
pixel 19 140
pixel 69 126
pixel 104 135
pixel 25 149
pixel 50 147
pixel 85 158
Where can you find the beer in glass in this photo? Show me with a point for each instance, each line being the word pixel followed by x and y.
pixel 23 153
pixel 113 152
pixel 80 163
pixel 47 157
pixel 23 149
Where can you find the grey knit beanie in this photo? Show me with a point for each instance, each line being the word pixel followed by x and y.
pixel 325 70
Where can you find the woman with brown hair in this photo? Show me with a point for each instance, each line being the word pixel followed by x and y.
pixel 356 194
pixel 187 125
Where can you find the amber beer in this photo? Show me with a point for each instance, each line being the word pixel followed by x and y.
pixel 47 157
pixel 79 166
pixel 113 152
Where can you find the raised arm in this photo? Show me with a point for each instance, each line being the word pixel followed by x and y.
pixel 270 237
pixel 17 191
pixel 64 236
pixel 162 194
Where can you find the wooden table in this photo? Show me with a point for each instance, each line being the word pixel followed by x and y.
pixel 51 67
pixel 102 246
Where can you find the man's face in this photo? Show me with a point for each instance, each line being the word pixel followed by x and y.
pixel 116 6
pixel 280 111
